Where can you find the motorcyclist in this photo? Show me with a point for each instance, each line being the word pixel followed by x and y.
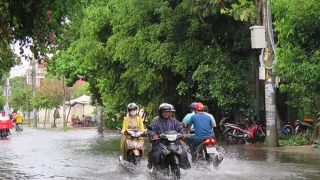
pixel 150 159
pixel 160 125
pixel 129 122
pixel 19 118
pixel 4 117
pixel 202 124
pixel 186 119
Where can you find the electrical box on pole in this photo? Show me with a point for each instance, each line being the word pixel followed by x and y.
pixel 258 40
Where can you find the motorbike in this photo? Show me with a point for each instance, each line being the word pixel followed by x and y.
pixel 207 152
pixel 286 128
pixel 302 127
pixel 233 133
pixel 18 127
pixel 5 125
pixel 133 146
pixel 171 154
pixel 228 118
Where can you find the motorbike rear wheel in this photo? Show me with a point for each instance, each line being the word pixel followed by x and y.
pixel 229 138
pixel 288 129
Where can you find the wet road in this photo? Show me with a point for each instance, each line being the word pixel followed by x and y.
pixel 83 154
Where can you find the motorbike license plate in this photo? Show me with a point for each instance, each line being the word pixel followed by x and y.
pixel 211 150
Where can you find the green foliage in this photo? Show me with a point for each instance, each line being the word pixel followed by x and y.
pixel 160 51
pixel 112 119
pixel 17 99
pixel 81 90
pixel 49 96
pixel 295 140
pixel 298 52
pixel 66 128
pixel 31 24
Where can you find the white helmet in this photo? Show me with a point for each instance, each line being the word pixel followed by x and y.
pixel 132 106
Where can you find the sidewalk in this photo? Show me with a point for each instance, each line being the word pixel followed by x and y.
pixel 298 149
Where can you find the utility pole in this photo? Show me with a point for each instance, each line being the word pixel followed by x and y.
pixel 63 101
pixel 34 90
pixel 270 97
pixel 7 95
pixel 27 100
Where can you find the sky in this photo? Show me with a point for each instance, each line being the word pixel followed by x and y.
pixel 20 70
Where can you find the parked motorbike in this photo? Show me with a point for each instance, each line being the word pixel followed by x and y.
pixel 286 128
pixel 233 133
pixel 227 118
pixel 207 152
pixel 302 127
pixel 171 154
pixel 133 146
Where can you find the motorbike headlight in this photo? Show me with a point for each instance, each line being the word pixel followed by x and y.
pixel 129 145
pixel 171 137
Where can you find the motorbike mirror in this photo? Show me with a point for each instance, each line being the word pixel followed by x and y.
pixel 150 128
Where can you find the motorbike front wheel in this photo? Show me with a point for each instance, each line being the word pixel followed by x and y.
pixel 134 159
pixel 229 138
pixel 175 171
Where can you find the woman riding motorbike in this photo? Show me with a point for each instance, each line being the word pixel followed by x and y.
pixel 131 121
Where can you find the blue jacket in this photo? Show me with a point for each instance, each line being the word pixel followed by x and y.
pixel 161 125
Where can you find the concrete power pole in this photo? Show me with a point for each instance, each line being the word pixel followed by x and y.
pixel 270 97
pixel 34 91
pixel 27 100
pixel 63 101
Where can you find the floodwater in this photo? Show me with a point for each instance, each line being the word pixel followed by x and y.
pixel 80 154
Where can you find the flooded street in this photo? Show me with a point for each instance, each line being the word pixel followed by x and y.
pixel 82 154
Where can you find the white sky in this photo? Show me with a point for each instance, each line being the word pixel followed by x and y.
pixel 20 70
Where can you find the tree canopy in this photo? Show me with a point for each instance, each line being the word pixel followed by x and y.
pixel 155 51
pixel 33 24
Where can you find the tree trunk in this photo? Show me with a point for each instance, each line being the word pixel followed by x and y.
pixel 45 117
pixel 100 119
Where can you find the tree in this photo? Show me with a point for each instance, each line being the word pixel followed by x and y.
pixel 298 51
pixel 33 24
pixel 48 96
pixel 162 51
pixel 18 93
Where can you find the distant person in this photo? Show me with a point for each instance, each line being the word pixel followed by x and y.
pixel 78 121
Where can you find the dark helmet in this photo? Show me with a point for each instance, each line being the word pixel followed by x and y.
pixel 192 106
pixel 132 106
pixel 199 106
pixel 206 109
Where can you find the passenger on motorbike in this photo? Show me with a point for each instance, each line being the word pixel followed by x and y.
pixel 214 124
pixel 202 124
pixel 129 122
pixel 160 125
pixel 186 119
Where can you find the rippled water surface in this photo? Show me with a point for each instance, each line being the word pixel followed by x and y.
pixel 76 154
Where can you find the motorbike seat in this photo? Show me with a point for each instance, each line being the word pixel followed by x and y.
pixel 238 125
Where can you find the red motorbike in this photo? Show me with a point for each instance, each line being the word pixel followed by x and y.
pixel 233 133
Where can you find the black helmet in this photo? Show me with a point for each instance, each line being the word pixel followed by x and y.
pixel 132 106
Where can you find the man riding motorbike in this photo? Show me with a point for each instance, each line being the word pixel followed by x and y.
pixel 160 125
pixel 202 124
